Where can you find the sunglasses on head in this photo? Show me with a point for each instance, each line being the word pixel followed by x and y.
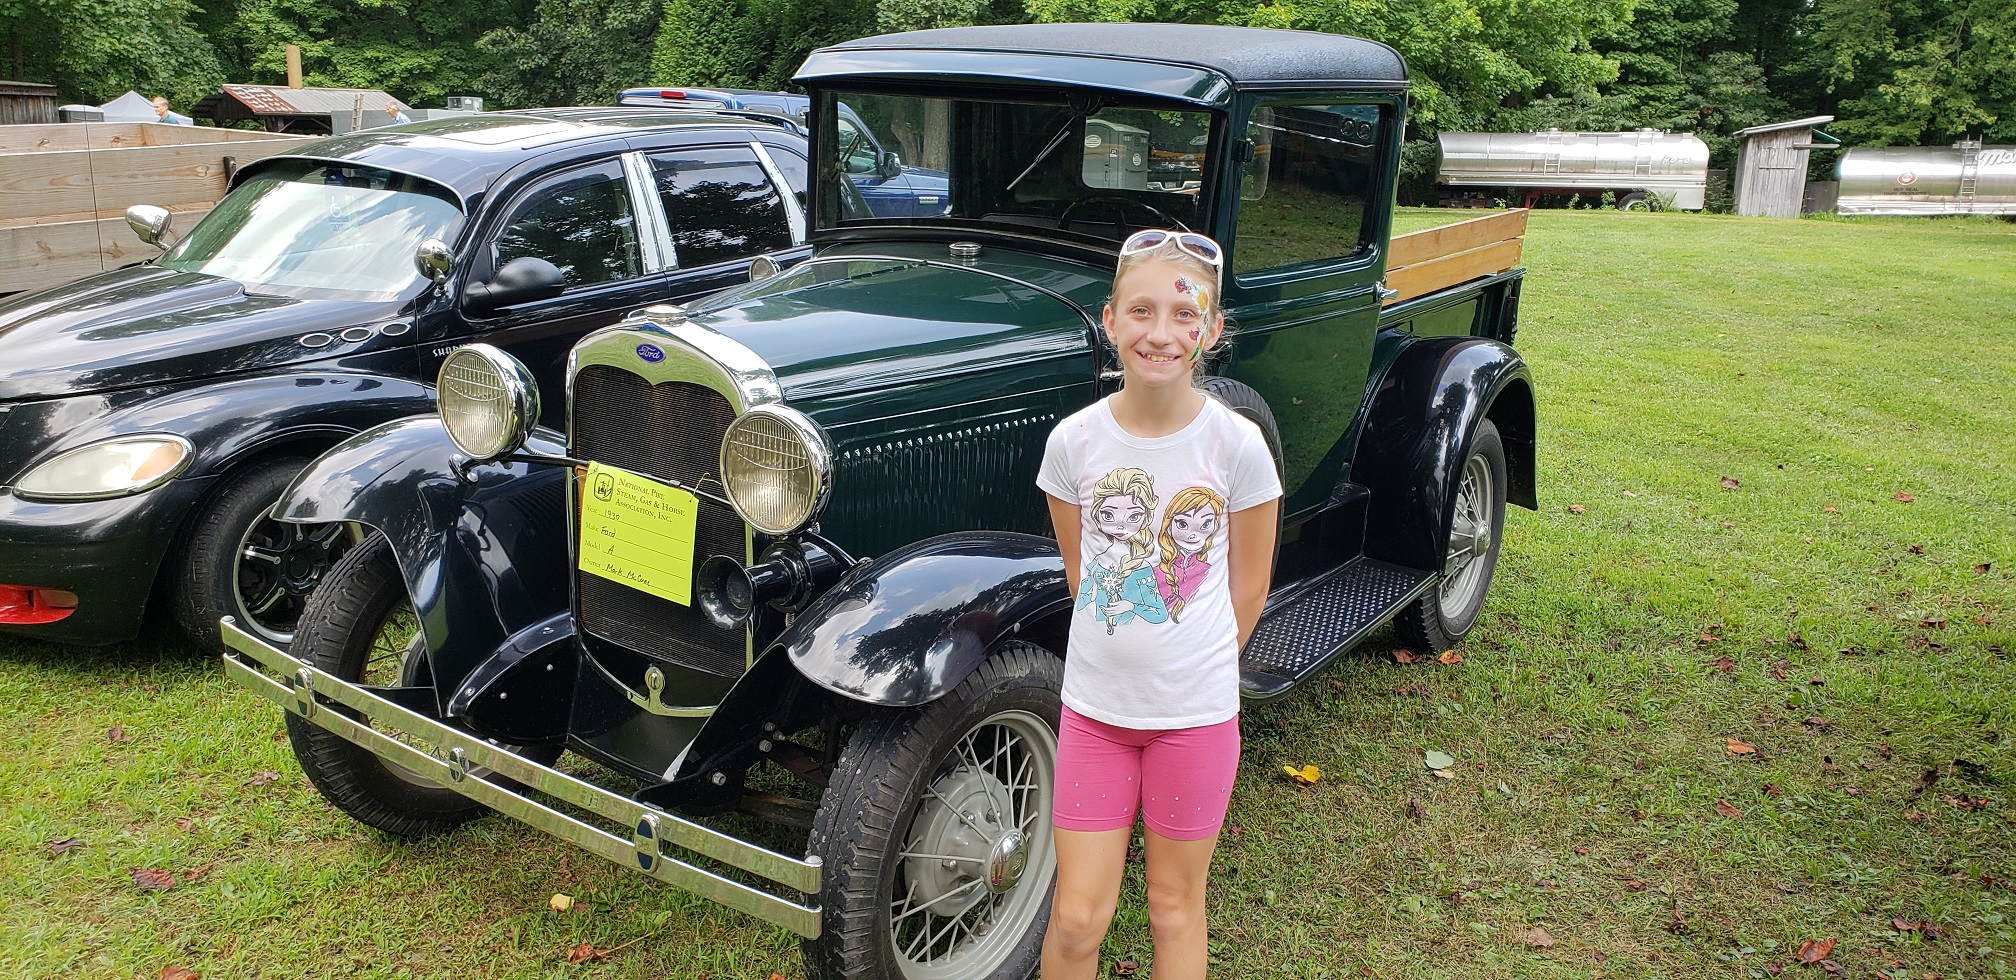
pixel 1196 245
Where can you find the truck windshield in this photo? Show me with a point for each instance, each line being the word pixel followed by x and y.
pixel 1083 168
pixel 318 230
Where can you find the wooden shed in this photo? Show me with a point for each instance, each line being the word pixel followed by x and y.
pixel 301 111
pixel 65 188
pixel 1771 167
pixel 27 102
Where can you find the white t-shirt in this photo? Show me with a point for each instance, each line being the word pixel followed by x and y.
pixel 1153 642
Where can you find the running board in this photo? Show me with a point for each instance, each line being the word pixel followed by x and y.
pixel 1300 634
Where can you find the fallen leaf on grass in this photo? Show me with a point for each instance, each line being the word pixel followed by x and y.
pixel 1438 760
pixel 1883 749
pixel 193 875
pixel 1965 802
pixel 1916 549
pixel 1405 657
pixel 1535 937
pixel 1923 782
pixel 1305 776
pixel 1833 969
pixel 1774 968
pixel 116 733
pixel 1731 483
pixel 1723 664
pixel 1815 950
pixel 64 845
pixel 1771 789
pixel 1778 669
pixel 1902 497
pixel 1741 748
pixel 179 973
pixel 1635 885
pixel 262 777
pixel 1449 658
pixel 1830 509
pixel 1577 509
pixel 1932 623
pixel 1581 850
pixel 1924 927
pixel 560 902
pixel 583 952
pixel 1708 637
pixel 1416 810
pixel 153 879
pixel 1722 807
pixel 1982 569
pixel 1125 968
pixel 1914 816
pixel 184 824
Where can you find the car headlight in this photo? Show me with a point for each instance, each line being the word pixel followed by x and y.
pixel 487 401
pixel 777 468
pixel 113 468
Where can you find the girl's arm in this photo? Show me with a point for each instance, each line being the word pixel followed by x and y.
pixel 1251 557
pixel 1065 518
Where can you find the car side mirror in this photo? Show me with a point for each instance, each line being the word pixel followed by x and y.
pixel 150 222
pixel 522 280
pixel 434 259
pixel 891 166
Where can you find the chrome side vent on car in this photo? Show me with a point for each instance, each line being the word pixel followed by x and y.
pixel 671 430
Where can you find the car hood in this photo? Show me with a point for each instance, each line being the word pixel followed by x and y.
pixel 147 325
pixel 849 324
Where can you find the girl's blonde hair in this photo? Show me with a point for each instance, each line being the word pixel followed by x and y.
pixel 1131 481
pixel 1186 500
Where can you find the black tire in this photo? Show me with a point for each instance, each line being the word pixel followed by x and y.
pixel 1634 201
pixel 1440 619
pixel 236 560
pixel 877 806
pixel 1247 402
pixel 359 627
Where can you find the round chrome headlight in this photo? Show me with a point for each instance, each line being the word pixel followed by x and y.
pixel 777 468
pixel 487 401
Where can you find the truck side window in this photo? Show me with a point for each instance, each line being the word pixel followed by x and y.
pixel 720 204
pixel 581 222
pixel 1305 192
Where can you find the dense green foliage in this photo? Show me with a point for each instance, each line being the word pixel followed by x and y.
pixel 1897 72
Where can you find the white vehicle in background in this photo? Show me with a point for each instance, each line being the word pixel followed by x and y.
pixel 1642 170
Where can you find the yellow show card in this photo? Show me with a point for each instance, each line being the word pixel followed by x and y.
pixel 638 531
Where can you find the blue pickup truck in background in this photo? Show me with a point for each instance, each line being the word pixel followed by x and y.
pixel 891 189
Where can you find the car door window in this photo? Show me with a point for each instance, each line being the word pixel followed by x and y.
pixel 1304 196
pixel 857 149
pixel 719 205
pixel 580 221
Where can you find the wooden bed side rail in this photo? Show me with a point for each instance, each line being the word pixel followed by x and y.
pixel 1437 258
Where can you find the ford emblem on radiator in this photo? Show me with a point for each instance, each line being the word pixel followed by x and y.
pixel 650 352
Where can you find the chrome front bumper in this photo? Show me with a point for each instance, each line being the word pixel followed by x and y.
pixel 447 756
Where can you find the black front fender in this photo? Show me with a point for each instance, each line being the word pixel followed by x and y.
pixel 908 626
pixel 1417 434
pixel 231 420
pixel 482 558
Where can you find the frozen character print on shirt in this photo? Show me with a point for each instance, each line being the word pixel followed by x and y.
pixel 1120 577
pixel 1193 518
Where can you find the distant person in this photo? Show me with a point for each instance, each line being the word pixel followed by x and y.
pixel 168 115
pixel 399 116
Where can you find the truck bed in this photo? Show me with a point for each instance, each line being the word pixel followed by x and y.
pixel 1458 279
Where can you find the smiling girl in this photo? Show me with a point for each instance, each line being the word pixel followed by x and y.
pixel 1150 724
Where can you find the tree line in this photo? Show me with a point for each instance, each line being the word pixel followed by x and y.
pixel 1893 72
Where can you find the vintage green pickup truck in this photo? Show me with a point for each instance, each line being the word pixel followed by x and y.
pixel 796 523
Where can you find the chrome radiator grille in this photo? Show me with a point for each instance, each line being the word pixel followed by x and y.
pixel 671 431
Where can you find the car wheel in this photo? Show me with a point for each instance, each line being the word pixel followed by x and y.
pixel 238 561
pixel 360 627
pixel 935 832
pixel 1441 618
pixel 1634 201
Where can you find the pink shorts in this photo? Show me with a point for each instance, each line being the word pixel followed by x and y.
pixel 1179 779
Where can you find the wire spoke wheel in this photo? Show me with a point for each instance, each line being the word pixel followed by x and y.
pixel 979 832
pixel 1441 618
pixel 1471 537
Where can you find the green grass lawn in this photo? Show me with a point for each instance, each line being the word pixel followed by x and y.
pixel 1732 407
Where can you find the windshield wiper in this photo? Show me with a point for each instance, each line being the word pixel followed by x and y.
pixel 1082 105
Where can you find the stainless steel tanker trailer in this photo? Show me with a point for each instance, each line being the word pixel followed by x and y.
pixel 1636 167
pixel 1965 178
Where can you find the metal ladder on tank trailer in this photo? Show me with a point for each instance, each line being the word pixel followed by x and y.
pixel 1641 164
pixel 1550 162
pixel 1970 169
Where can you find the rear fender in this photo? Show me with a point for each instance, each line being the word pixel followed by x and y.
pixel 906 627
pixel 484 558
pixel 1423 412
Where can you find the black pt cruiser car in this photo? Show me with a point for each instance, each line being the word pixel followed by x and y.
pixel 151 415
pixel 785 554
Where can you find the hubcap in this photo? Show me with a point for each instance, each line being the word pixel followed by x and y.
pixel 278 565
pixel 977 862
pixel 1470 539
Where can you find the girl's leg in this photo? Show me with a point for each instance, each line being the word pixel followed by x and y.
pixel 1186 783
pixel 1089 868
pixel 1178 871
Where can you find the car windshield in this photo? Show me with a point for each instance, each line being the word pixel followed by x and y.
pixel 1081 167
pixel 318 230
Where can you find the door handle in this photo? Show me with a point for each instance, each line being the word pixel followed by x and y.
pixel 1384 293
